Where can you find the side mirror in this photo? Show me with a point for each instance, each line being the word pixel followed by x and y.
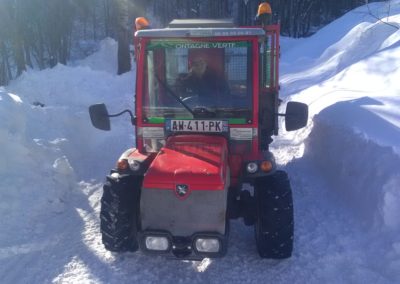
pixel 100 117
pixel 296 116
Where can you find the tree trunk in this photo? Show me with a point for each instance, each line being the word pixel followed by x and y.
pixel 5 72
pixel 18 42
pixel 27 54
pixel 94 19
pixel 106 4
pixel 19 56
pixel 124 60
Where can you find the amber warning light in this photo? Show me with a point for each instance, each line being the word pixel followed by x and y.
pixel 141 23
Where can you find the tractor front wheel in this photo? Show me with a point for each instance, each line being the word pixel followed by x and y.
pixel 274 221
pixel 119 213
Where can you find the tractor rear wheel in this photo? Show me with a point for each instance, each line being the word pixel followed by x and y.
pixel 119 213
pixel 274 222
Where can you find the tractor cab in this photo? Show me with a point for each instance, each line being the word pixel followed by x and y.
pixel 204 77
pixel 209 77
pixel 206 107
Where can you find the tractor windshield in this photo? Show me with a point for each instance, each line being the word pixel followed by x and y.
pixel 197 79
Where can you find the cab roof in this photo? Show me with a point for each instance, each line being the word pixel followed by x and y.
pixel 201 23
pixel 200 28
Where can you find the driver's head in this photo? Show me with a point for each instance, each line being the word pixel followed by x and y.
pixel 199 66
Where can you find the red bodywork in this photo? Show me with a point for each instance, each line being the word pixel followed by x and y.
pixel 199 161
pixel 189 161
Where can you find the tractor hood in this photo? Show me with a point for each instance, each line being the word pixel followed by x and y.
pixel 185 189
pixel 195 161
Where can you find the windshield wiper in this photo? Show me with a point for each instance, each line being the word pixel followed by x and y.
pixel 232 109
pixel 203 112
pixel 175 96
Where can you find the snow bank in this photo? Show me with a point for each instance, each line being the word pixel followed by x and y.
pixel 28 167
pixel 105 59
pixel 351 86
pixel 364 175
pixel 348 75
pixel 47 143
pixel 66 93
pixel 333 33
pixel 322 56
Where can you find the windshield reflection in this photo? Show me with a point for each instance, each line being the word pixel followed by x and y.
pixel 186 82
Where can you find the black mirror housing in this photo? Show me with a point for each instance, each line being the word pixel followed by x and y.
pixel 296 116
pixel 100 117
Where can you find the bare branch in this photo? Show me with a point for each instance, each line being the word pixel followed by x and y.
pixel 379 19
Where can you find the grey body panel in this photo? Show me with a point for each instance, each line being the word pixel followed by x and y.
pixel 201 211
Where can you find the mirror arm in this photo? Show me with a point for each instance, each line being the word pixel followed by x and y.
pixel 133 118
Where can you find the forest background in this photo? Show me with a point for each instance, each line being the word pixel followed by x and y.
pixel 42 33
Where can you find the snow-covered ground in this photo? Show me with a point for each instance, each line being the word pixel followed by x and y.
pixel 344 168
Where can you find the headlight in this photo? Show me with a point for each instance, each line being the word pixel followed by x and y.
pixel 207 245
pixel 134 165
pixel 251 167
pixel 157 243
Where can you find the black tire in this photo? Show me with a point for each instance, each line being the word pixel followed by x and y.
pixel 274 225
pixel 119 213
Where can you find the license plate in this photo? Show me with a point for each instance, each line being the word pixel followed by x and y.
pixel 212 126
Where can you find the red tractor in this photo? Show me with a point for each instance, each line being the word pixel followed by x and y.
pixel 206 108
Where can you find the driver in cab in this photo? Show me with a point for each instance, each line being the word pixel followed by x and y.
pixel 203 81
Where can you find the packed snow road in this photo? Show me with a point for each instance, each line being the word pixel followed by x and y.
pixel 330 246
pixel 343 168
